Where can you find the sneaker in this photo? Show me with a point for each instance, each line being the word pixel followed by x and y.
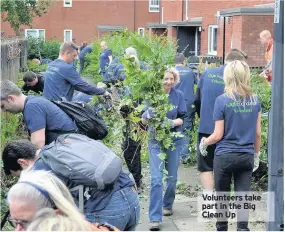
pixel 154 226
pixel 167 212
pixel 186 160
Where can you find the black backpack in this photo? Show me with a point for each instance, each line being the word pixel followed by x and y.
pixel 88 121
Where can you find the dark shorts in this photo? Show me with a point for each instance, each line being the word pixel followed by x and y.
pixel 205 164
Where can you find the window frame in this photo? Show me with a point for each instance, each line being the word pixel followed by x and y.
pixel 151 6
pixel 210 36
pixel 143 29
pixel 38 32
pixel 67 5
pixel 64 37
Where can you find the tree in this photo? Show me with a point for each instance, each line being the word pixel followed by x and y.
pixel 22 12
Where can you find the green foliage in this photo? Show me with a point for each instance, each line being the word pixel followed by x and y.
pixel 32 66
pixel 263 90
pixel 49 48
pixel 18 13
pixel 11 128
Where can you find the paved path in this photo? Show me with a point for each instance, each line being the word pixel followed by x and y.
pixel 185 207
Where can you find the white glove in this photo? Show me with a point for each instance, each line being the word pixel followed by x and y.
pixel 102 85
pixel 256 161
pixel 203 147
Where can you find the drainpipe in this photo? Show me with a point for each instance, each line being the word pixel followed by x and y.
pixel 224 40
pixel 187 9
pixel 162 15
pixel 134 15
pixel 160 11
pixel 182 2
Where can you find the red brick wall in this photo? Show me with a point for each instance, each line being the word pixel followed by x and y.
pixel 85 15
pixel 172 10
pixel 208 8
pixel 243 33
pixel 251 28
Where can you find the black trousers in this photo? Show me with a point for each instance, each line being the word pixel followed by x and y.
pixel 132 155
pixel 239 166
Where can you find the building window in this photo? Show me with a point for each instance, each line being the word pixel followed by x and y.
pixel 154 5
pixel 36 33
pixel 212 39
pixel 141 31
pixel 67 3
pixel 67 35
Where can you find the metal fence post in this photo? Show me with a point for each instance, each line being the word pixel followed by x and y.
pixel 275 206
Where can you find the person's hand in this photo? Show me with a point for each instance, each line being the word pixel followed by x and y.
pixel 263 75
pixel 203 147
pixel 256 161
pixel 148 114
pixel 166 121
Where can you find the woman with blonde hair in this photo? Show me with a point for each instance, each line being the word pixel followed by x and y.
pixel 36 190
pixel 162 205
pixel 237 116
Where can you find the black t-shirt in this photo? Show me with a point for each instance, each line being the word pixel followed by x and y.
pixel 38 88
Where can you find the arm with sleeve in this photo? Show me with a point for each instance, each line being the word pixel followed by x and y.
pixel 197 100
pixel 80 85
pixel 35 119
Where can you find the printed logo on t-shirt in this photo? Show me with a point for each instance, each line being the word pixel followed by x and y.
pixel 242 107
pixel 216 78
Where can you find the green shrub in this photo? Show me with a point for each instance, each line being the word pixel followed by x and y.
pixel 49 48
pixel 32 66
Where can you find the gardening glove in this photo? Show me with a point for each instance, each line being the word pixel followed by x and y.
pixel 203 147
pixel 148 114
pixel 107 94
pixel 168 120
pixel 256 161
pixel 102 85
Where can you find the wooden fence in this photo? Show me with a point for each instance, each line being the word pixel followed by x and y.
pixel 14 53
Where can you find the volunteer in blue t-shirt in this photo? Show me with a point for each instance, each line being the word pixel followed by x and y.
pixel 117 205
pixel 61 79
pixel 86 50
pixel 160 205
pixel 237 133
pixel 210 86
pixel 105 59
pixel 44 120
pixel 186 86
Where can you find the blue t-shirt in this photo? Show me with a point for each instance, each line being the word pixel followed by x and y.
pixel 186 84
pixel 175 98
pixel 211 85
pixel 240 124
pixel 40 113
pixel 84 51
pixel 104 59
pixel 98 199
pixel 61 79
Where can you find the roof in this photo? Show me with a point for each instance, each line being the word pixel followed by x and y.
pixel 257 10
pixel 192 22
pixel 109 28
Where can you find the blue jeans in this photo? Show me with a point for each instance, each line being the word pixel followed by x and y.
pixel 156 171
pixel 123 210
pixel 187 128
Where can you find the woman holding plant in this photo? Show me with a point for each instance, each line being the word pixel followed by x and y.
pixel 238 137
pixel 160 157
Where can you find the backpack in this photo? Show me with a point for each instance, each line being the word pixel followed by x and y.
pixel 87 120
pixel 82 160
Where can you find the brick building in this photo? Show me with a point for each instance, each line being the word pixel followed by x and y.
pixel 197 24
pixel 87 19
